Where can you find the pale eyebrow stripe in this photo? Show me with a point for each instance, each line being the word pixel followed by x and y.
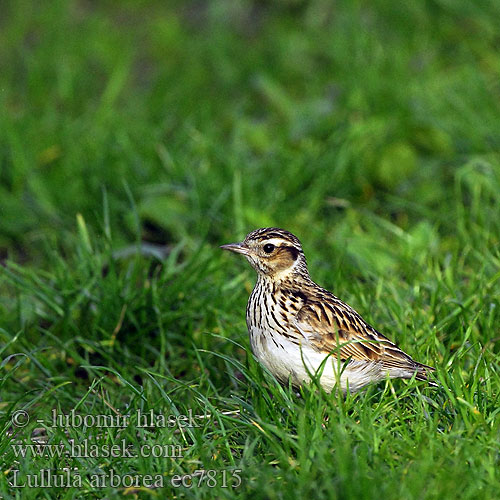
pixel 275 241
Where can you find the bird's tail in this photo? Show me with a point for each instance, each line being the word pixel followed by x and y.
pixel 422 373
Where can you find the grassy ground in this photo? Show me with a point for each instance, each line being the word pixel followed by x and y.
pixel 136 137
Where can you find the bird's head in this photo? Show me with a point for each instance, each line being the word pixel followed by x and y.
pixel 272 252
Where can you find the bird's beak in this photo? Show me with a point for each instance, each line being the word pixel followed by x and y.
pixel 237 248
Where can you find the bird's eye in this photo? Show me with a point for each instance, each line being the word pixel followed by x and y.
pixel 268 247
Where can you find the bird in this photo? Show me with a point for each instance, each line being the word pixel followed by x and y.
pixel 299 331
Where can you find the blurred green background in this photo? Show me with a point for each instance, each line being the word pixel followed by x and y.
pixel 214 118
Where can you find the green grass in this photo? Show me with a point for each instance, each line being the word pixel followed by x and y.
pixel 136 137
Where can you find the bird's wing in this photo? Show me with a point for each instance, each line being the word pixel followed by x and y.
pixel 331 326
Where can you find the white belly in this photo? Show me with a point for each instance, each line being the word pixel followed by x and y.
pixel 285 359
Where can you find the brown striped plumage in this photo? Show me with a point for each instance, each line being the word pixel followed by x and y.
pixel 297 328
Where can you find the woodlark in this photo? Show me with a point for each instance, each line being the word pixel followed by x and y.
pixel 298 328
